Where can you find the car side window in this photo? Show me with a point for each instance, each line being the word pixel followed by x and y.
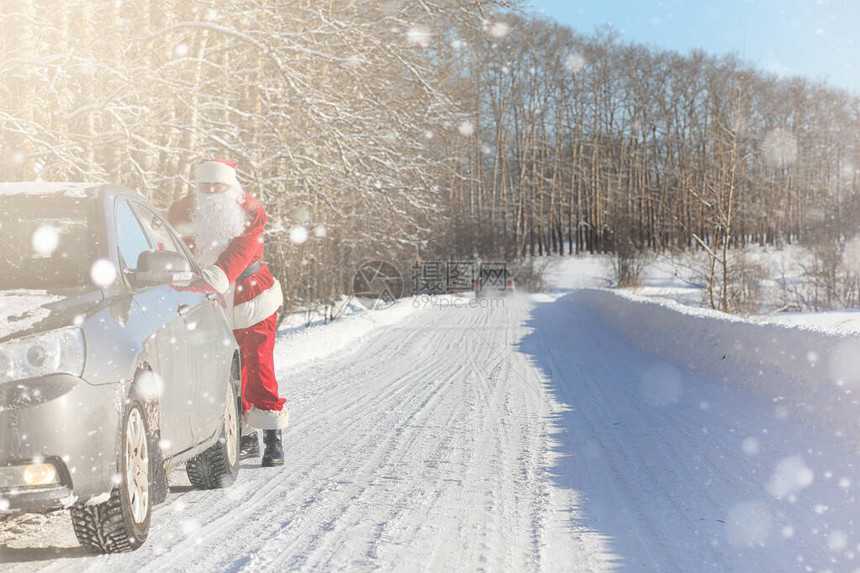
pixel 153 222
pixel 165 238
pixel 130 237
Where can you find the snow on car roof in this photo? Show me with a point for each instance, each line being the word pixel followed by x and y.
pixel 49 188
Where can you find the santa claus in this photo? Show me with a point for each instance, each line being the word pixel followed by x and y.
pixel 224 229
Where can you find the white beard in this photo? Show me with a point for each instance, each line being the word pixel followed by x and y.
pixel 217 219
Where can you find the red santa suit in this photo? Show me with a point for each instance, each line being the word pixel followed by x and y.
pixel 256 296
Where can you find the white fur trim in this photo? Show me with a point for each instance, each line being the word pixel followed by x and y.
pixel 258 308
pixel 266 419
pixel 216 172
pixel 216 277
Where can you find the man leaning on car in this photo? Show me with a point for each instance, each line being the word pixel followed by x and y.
pixel 223 226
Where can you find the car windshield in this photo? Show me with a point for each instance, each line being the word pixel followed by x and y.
pixel 46 242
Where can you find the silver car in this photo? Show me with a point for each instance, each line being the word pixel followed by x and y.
pixel 116 361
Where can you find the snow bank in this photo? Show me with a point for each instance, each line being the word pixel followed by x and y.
pixel 810 374
pixel 299 346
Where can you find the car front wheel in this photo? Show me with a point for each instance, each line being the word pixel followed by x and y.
pixel 122 522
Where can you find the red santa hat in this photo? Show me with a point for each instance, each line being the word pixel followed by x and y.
pixel 217 171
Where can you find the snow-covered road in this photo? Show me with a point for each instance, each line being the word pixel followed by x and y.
pixel 526 437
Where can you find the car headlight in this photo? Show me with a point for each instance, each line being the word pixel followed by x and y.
pixel 54 352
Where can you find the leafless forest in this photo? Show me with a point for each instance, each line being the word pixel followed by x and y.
pixel 433 130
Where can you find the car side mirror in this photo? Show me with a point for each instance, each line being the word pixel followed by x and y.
pixel 161 267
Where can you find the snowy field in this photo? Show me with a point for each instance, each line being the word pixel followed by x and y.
pixel 574 430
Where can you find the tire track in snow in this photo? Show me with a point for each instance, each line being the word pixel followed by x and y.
pixel 423 409
pixel 270 523
pixel 391 400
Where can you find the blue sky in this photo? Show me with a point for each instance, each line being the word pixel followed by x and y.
pixel 818 39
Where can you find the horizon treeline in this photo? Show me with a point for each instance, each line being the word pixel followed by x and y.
pixel 441 130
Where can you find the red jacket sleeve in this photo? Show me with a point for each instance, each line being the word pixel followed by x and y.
pixel 180 211
pixel 247 247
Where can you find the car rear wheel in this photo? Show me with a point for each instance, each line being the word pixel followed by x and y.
pixel 122 522
pixel 218 466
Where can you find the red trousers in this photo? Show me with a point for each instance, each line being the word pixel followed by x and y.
pixel 259 385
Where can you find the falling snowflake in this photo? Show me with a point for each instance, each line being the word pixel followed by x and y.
pixel 45 240
pixel 181 50
pixel 837 541
pixel 499 29
pixel 103 273
pixel 466 129
pixel 298 235
pixel 780 412
pixel 150 385
pixel 750 446
pixel 789 477
pixel 574 63
pixel 419 36
pixel 779 147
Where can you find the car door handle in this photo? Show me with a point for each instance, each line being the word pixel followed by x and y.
pixel 182 309
pixel 211 295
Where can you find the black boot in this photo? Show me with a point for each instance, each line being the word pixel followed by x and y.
pixel 273 455
pixel 249 446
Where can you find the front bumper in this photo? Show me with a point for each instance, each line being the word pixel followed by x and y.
pixel 62 420
pixel 19 497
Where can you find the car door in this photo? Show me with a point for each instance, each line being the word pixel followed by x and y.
pixel 167 347
pixel 206 339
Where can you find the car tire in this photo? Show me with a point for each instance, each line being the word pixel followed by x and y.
pixel 218 466
pixel 122 522
pixel 160 487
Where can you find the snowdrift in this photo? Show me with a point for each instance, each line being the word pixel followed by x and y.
pixel 810 374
